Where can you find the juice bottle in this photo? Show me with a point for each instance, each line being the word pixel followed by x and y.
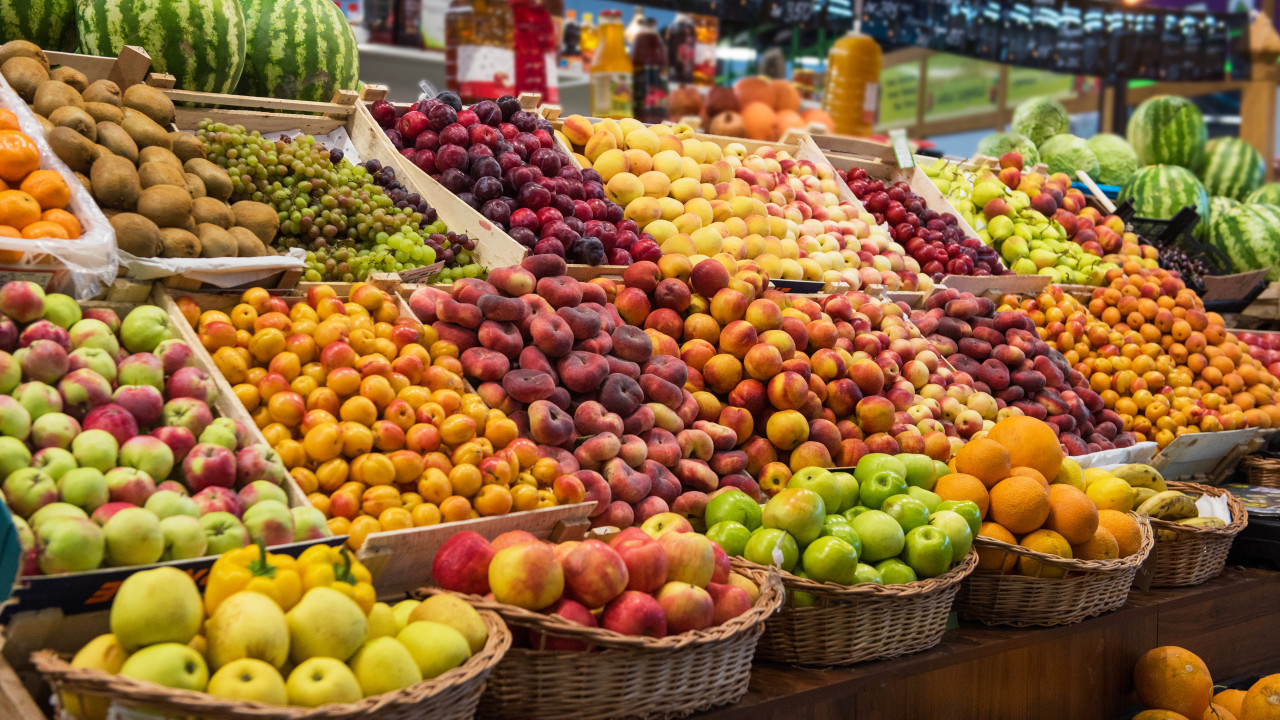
pixel 682 41
pixel 649 76
pixel 611 72
pixel 408 20
pixel 633 27
pixel 852 90
pixel 479 61
pixel 571 49
pixel 590 41
pixel 535 50
pixel 707 28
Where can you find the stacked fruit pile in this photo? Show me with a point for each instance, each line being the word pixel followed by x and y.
pixel 583 373
pixel 655 583
pixel 34 201
pixel 1173 682
pixel 1263 347
pixel 81 391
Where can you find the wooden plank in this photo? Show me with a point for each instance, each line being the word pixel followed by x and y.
pixel 15 701
pixel 190 117
pixel 260 103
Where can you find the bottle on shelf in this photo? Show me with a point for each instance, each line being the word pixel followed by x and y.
pixel 611 92
pixel 379 21
pixel 535 50
pixel 852 88
pixel 479 60
pixel 633 27
pixel 589 42
pixel 571 47
pixel 429 25
pixel 682 41
pixel 707 28
pixel 649 73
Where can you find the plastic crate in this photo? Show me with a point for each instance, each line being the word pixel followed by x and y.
pixel 1176 232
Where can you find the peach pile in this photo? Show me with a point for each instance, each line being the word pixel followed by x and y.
pixel 605 402
pixel 368 411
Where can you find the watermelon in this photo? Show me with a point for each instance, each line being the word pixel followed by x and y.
pixel 200 43
pixel 1250 235
pixel 51 24
pixel 1160 191
pixel 1268 194
pixel 1232 168
pixel 302 49
pixel 1168 130
pixel 1218 206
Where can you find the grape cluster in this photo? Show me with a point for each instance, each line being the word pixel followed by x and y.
pixel 1191 268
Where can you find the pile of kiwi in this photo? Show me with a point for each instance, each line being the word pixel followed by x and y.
pixel 162 196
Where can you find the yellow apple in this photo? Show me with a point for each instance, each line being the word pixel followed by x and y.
pixel 325 623
pixel 384 665
pixel 102 653
pixel 320 681
pixel 435 647
pixel 457 614
pixel 249 679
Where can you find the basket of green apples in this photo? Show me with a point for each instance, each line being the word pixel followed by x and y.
pixel 871 559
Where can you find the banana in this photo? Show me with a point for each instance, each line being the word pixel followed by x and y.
pixel 1141 476
pixel 1142 494
pixel 1169 505
pixel 1203 522
pixel 1166 535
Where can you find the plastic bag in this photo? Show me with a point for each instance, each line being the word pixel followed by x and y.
pixel 223 272
pixel 89 261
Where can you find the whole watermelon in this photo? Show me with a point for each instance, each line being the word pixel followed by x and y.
pixel 199 42
pixel 1160 191
pixel 302 49
pixel 1250 235
pixel 51 24
pixel 1268 194
pixel 1168 130
pixel 1218 206
pixel 1232 168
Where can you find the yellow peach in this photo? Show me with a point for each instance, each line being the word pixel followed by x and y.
pixel 656 184
pixel 642 138
pixel 610 163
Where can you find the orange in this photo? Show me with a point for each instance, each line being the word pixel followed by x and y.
pixel 958 486
pixel 9 231
pixel 1217 712
pixel 1032 473
pixel 19 156
pixel 1020 504
pixel 1176 679
pixel 1049 543
pixel 8 121
pixel 63 226
pixel 1262 701
pixel 1159 715
pixel 1030 442
pixel 1072 514
pixel 1102 546
pixel 1231 700
pixel 18 209
pixel 984 459
pixel 998 561
pixel 48 188
pixel 1125 529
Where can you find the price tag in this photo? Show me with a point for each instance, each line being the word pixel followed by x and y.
pixel 422 274
pixel 901 148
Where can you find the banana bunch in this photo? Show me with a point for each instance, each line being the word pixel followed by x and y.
pixel 1140 476
pixel 1170 505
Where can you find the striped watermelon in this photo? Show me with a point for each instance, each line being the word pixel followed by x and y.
pixel 301 49
pixel 1160 191
pixel 51 24
pixel 1167 130
pixel 200 42
pixel 1218 206
pixel 1250 236
pixel 1232 168
pixel 1268 194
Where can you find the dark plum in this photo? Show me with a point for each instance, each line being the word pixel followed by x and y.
pixel 384 113
pixel 564 204
pixel 508 131
pixel 426 161
pixel 525 218
pixel 426 140
pixel 590 175
pixel 478 152
pixel 574 224
pixel 455 134
pixel 521 176
pixel 582 211
pixel 533 196
pixel 525 122
pixel 488 112
pixel 524 236
pixel 495 210
pixel 544 137
pixel 549 246
pixel 452 156
pixel 486 167
pixel 489 188
pixel 547 160
pixel 613 214
pixel 469 199
pixel 397 140
pixel 527 142
pixel 455 180
pixel 508 160
pixel 618 256
pixel 592 190
pixel 509 106
pixel 450 98
pixel 411 124
pixel 441 117
pixel 599 208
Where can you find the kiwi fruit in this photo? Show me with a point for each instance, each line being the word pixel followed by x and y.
pixel 136 235
pixel 258 217
pixel 115 183
pixel 76 119
pixel 74 149
pixel 22 48
pixel 150 102
pixel 195 185
pixel 208 210
pixel 158 173
pixel 70 76
pixel 115 139
pixel 215 242
pixel 103 91
pixel 84 180
pixel 104 112
pixel 145 131
pixel 160 155
pixel 190 226
pixel 166 205
pixel 24 74
pixel 53 94
pixel 178 243
pixel 217 183
pixel 186 145
pixel 247 244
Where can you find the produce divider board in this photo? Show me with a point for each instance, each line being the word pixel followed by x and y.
pixel 130 67
pixel 1140 453
pixel 1210 454
pixel 997 285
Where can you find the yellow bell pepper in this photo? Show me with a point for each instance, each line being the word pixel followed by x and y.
pixel 252 569
pixel 333 567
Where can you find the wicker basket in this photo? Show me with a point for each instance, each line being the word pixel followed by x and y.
pixel 1196 554
pixel 1091 587
pixel 627 677
pixel 1262 471
pixel 855 623
pixel 451 696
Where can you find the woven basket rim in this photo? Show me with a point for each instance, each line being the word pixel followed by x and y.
pixel 1239 513
pixel 91 681
pixel 771 597
pixel 1265 463
pixel 873 591
pixel 1097 567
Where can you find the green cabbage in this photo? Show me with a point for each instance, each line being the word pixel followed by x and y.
pixel 999 143
pixel 1117 162
pixel 1040 119
pixel 1067 153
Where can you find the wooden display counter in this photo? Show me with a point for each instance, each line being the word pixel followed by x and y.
pixel 1073 672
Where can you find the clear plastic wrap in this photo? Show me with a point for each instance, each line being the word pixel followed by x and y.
pixel 81 267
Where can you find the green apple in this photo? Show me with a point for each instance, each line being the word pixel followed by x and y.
pixel 957 528
pixel 881 535
pixel 798 511
pixel 732 537
pixel 769 546
pixel 61 310
pixel 249 679
pixel 876 463
pixel 384 665
pixel 855 511
pixel 402 610
pixel 908 511
pixel 830 559
pixel 921 471
pixel 821 481
pixel 95 449
pixel 843 530
pixel 940 469
pixel 247 625
pixel 928 551
pixel 800 598
pixel 54 461
pixel 184 539
pixel 156 606
pixel 144 327
pixel 168 503
pixel 133 537
pixel 880 487
pixel 320 681
pixel 867 574
pixel 895 572
pixel 735 505
pixel 848 489
pixel 382 622
pixel 928 497
pixel 326 623
pixel 170 664
pixel 85 487
pixel 54 511
pixel 435 647
pixel 966 509
pixel 14 455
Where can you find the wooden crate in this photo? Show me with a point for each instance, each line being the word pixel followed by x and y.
pixel 131 67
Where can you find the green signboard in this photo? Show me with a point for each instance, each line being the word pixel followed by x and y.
pixel 1025 83
pixel 958 86
pixel 899 95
